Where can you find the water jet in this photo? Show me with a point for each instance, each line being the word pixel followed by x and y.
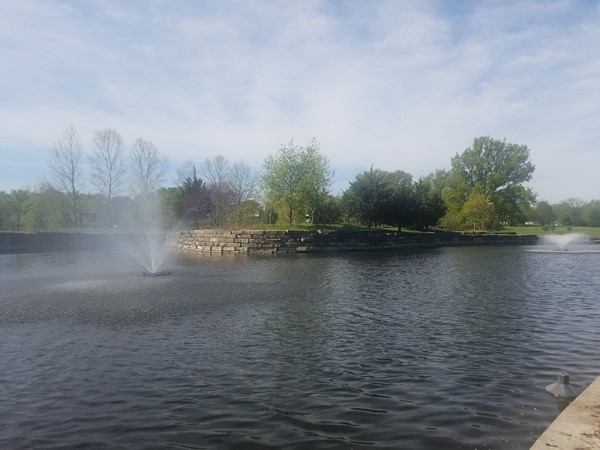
pixel 563 242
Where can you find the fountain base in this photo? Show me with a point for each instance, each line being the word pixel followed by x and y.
pixel 162 273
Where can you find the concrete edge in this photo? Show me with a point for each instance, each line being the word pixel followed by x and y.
pixel 578 426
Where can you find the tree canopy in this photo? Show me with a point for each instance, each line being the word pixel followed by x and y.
pixel 495 169
pixel 297 179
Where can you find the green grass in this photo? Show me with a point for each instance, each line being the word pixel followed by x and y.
pixel 538 231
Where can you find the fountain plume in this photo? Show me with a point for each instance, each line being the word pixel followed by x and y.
pixel 563 242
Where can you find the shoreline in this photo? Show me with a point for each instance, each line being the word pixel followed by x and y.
pixel 258 241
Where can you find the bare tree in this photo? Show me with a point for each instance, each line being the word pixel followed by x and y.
pixel 187 171
pixel 148 167
pixel 148 172
pixel 216 171
pixel 107 166
pixel 66 162
pixel 243 187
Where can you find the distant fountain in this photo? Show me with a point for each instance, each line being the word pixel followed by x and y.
pixel 565 242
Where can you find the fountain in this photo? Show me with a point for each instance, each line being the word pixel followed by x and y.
pixel 149 247
pixel 565 242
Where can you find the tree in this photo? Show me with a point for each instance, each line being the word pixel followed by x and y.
pixel 496 169
pixel 186 171
pixel 316 177
pixel 242 183
pixel 148 170
pixel 543 214
pixel 568 212
pixel 107 166
pixel 368 197
pixel 296 178
pixel 478 212
pixel 195 202
pixel 66 162
pixel 148 167
pixel 401 210
pixel 19 205
pixel 429 204
pixel 591 213
pixel 217 175
pixel 49 208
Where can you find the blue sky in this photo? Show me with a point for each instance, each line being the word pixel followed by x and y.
pixel 390 84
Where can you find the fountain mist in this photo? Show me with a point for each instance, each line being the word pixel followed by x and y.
pixel 563 242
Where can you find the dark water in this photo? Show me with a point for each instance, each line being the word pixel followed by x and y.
pixel 432 349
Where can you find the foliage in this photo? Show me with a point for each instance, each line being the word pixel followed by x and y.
pixel 380 197
pixel 543 214
pixel 368 198
pixel 496 169
pixel 297 179
pixel 478 213
pixel 429 204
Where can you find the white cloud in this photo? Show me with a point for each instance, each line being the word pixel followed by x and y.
pixel 397 85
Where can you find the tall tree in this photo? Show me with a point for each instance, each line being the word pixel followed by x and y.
pixel 429 204
pixel 217 175
pixel 402 205
pixel 66 162
pixel 368 197
pixel 148 167
pixel 297 178
pixel 496 169
pixel 148 171
pixel 107 166
pixel 242 183
pixel 19 204
pixel 316 177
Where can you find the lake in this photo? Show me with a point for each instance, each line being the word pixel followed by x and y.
pixel 447 348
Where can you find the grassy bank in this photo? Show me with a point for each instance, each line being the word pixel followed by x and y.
pixel 539 231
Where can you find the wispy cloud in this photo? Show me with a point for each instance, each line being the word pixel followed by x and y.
pixel 397 85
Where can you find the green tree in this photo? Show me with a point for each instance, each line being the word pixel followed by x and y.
pixel 496 169
pixel 568 212
pixel 429 204
pixel 316 178
pixel 401 208
pixel 478 212
pixel 19 205
pixel 49 208
pixel 544 214
pixel 591 213
pixel 368 197
pixel 297 179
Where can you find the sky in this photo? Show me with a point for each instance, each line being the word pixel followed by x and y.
pixel 393 85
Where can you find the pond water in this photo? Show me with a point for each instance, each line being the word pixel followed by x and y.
pixel 443 348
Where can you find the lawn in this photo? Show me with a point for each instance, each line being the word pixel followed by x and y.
pixel 590 231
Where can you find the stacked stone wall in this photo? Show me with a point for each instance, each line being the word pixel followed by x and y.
pixel 261 241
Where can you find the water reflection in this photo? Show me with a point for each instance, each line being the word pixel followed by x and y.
pixel 443 348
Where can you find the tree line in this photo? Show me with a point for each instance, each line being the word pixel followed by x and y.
pixel 484 190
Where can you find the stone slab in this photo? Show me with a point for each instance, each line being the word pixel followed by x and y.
pixel 578 426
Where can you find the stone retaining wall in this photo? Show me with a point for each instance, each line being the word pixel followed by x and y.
pixel 261 241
